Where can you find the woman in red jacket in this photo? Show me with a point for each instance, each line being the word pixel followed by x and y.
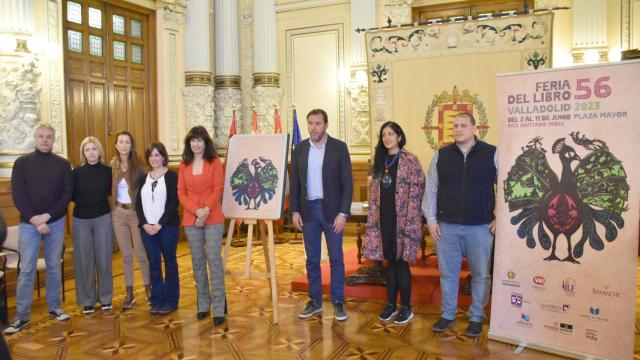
pixel 200 184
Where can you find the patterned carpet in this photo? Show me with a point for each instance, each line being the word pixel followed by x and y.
pixel 249 332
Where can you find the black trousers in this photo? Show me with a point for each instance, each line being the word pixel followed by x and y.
pixel 398 275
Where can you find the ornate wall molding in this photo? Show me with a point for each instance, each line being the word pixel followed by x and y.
pixel 19 103
pixel 197 78
pixel 172 15
pixel 245 56
pixel 55 79
pixel 266 79
pixel 225 101
pixel 359 130
pixel 290 34
pixel 399 11
pixel 198 101
pixel 265 100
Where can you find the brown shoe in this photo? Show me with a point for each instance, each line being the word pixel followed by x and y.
pixel 130 300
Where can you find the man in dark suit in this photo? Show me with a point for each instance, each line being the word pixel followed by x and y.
pixel 321 190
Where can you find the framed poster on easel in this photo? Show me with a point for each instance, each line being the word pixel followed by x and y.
pixel 254 188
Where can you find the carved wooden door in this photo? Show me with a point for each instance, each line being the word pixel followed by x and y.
pixel 109 73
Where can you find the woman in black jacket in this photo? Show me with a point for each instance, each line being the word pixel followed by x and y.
pixel 157 208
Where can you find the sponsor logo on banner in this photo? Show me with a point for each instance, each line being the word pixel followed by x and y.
pixel 555 307
pixel 594 314
pixel 569 287
pixel 605 292
pixel 516 300
pixel 566 328
pixel 591 334
pixel 510 280
pixel 525 320
pixel 538 283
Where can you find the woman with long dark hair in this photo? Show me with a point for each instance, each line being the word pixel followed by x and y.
pixel 157 208
pixel 126 168
pixel 200 184
pixel 394 224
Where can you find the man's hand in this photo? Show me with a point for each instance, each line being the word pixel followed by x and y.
pixel 434 232
pixel 338 223
pixel 199 223
pixel 39 219
pixel 157 227
pixel 297 221
pixel 43 229
pixel 492 227
pixel 149 229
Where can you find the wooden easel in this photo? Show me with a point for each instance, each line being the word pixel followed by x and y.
pixel 269 258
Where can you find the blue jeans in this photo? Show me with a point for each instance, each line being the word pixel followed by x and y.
pixel 165 292
pixel 312 232
pixel 29 248
pixel 474 242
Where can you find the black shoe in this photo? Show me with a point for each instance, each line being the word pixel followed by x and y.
pixel 442 325
pixel 404 316
pixel 165 310
pixel 310 310
pixel 16 326
pixel 388 313
pixel 339 313
pixel 88 309
pixel 218 320
pixel 202 314
pixel 155 310
pixel 106 308
pixel 474 329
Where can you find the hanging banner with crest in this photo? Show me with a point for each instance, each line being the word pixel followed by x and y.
pixel 422 76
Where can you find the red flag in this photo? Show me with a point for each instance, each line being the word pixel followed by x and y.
pixel 232 129
pixel 254 122
pixel 277 127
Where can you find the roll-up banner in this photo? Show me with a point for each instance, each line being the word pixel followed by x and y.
pixel 566 251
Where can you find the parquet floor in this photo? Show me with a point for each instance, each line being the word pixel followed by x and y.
pixel 249 332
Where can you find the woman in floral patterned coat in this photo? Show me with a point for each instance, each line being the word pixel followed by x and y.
pixel 394 224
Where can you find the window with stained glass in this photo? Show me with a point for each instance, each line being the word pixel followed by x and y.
pixel 74 41
pixel 74 12
pixel 95 18
pixel 136 54
pixel 118 24
pixel 95 45
pixel 136 29
pixel 119 51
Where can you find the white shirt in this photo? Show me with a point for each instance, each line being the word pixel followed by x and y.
pixel 314 171
pixel 123 192
pixel 153 198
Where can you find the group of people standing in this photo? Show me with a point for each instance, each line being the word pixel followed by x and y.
pixel 141 205
pixel 456 199
pixel 136 203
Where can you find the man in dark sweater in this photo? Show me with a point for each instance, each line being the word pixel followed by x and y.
pixel 42 186
pixel 458 204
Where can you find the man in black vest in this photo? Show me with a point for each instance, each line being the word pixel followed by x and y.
pixel 458 204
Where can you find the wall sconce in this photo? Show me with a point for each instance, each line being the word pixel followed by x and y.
pixel 8 43
pixel 615 54
pixel 362 78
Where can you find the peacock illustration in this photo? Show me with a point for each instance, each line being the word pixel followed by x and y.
pixel 595 191
pixel 258 186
